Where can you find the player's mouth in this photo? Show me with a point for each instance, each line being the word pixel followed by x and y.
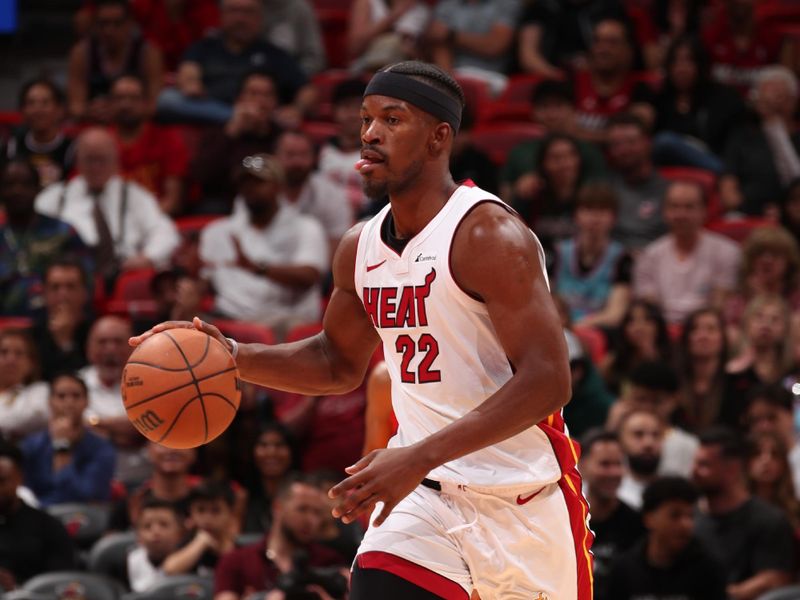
pixel 369 161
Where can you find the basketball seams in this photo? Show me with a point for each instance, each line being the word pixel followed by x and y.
pixel 220 396
pixel 180 387
pixel 196 384
pixel 177 416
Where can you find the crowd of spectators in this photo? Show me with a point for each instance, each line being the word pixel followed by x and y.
pixel 196 158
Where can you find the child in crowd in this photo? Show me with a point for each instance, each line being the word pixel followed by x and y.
pixel 212 517
pixel 159 529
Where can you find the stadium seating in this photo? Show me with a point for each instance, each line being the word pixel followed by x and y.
pixel 132 294
pixel 74 584
pixel 86 523
pixel 497 139
pixel 177 587
pixel 15 323
pixel 108 556
pixel 739 229
pixel 245 332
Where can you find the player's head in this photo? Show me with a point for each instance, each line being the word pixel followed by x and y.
pixel 409 117
pixel 10 475
pixel 668 513
pixel 19 186
pixel 159 528
pixel 298 510
pixel 602 463
pixel 69 397
pixel 211 507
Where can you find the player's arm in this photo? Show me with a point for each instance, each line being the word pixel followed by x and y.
pixel 496 259
pixel 332 362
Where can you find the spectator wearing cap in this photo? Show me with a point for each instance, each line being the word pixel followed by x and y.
pixel 265 262
pixel 250 130
pixel 688 268
pixel 670 562
pixel 553 109
pixel 306 189
pixel 750 538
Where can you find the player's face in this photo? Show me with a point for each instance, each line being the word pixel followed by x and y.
pixel 213 516
pixel 301 514
pixel 159 532
pixel 10 480
pixel 67 399
pixel 18 189
pixel 16 363
pixel 394 138
pixel 603 469
pixel 672 524
pixel 272 454
pixel 40 109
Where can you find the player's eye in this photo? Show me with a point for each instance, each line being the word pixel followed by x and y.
pixel 392 120
pixel 365 120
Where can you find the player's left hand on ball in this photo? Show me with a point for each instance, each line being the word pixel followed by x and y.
pixel 385 476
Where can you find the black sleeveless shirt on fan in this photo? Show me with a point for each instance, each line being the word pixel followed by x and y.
pixel 100 81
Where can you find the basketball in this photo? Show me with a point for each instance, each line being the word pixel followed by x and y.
pixel 181 388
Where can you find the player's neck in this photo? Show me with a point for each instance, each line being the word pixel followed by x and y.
pixel 415 207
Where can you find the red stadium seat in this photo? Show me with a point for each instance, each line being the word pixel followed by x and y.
pixel 333 23
pixel 243 331
pixel 594 341
pixel 477 94
pixel 134 285
pixel 325 83
pixel 707 179
pixel 514 104
pixel 300 332
pixel 497 139
pixel 15 323
pixel 739 229
pixel 10 118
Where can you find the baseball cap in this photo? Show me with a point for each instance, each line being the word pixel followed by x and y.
pixel 261 166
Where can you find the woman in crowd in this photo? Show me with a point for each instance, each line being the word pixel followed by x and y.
pixel 642 336
pixel 546 197
pixel 274 457
pixel 694 114
pixel 702 359
pixel 769 475
pixel 23 398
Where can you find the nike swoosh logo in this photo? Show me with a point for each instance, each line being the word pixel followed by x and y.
pixel 521 500
pixel 373 267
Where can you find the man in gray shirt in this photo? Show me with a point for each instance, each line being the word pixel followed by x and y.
pixel 638 185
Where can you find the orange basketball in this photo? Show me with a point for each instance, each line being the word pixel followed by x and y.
pixel 181 388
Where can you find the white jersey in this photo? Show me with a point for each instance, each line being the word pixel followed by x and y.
pixel 443 353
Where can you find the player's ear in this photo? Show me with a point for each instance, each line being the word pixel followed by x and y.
pixel 440 137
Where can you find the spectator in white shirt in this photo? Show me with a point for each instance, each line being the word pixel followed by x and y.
pixel 120 219
pixel 689 267
pixel 265 262
pixel 308 190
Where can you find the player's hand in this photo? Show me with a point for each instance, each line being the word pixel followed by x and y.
pixel 385 476
pixel 195 323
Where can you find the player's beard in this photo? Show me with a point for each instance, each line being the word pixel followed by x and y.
pixel 381 188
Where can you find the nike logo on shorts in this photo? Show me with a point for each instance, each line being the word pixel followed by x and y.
pixel 373 267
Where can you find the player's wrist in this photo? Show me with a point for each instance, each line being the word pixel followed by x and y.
pixel 233 347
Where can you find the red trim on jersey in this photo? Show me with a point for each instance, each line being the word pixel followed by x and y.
pixel 414 573
pixel 582 536
pixel 468 183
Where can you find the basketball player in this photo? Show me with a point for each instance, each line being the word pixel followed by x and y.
pixel 478 489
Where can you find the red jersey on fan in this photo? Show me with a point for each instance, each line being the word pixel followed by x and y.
pixel 158 153
pixel 593 110
pixel 736 66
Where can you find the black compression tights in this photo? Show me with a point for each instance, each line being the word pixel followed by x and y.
pixel 376 584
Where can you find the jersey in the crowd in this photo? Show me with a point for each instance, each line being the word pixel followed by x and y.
pixel 443 354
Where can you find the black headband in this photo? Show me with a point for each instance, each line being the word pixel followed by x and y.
pixel 421 95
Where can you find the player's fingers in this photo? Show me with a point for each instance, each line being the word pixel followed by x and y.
pixel 354 499
pixel 348 484
pixel 138 339
pixel 361 464
pixel 367 505
pixel 208 328
pixel 388 507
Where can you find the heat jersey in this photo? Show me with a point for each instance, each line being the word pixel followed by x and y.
pixel 443 353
